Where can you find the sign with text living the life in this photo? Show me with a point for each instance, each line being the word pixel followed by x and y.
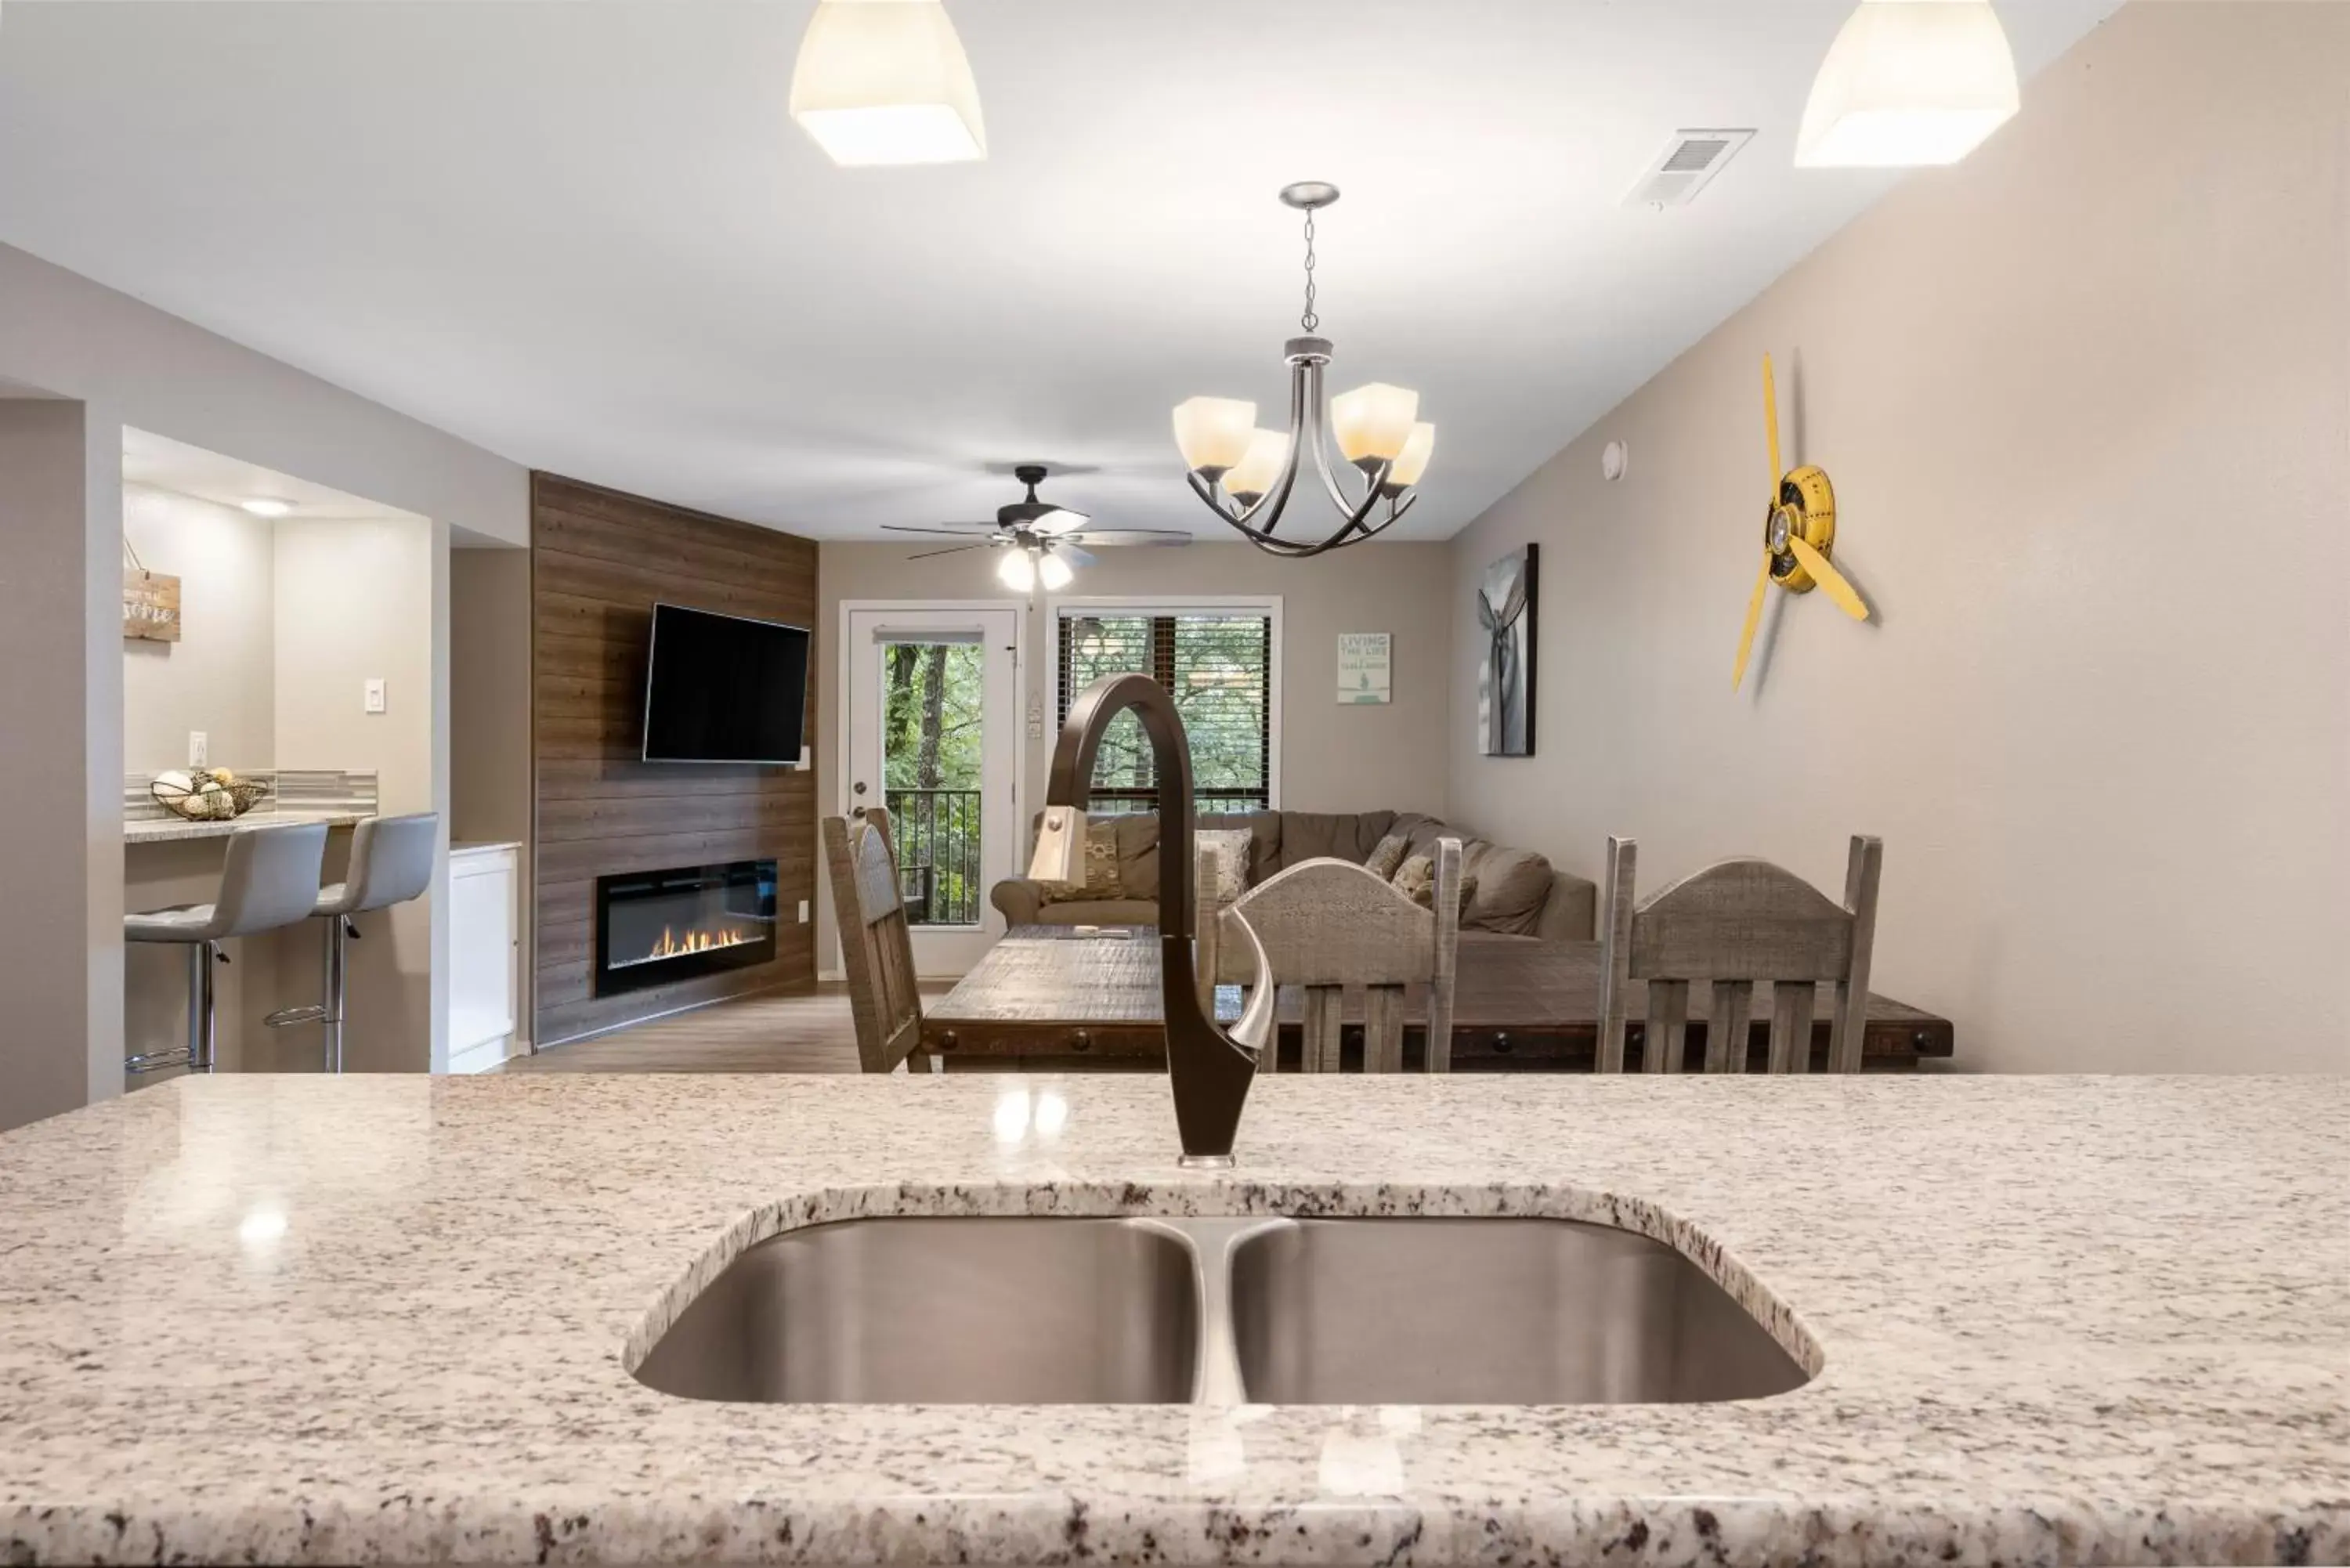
pixel 1365 666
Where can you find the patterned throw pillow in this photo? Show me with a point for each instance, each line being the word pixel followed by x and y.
pixel 1231 846
pixel 1387 857
pixel 1416 880
pixel 1100 872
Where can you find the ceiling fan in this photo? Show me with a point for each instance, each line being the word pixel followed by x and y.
pixel 1039 542
pixel 1798 535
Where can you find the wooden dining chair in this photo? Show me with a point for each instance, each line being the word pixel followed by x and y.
pixel 1732 924
pixel 1330 927
pixel 876 947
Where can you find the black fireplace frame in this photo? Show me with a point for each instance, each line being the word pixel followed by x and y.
pixel 645 974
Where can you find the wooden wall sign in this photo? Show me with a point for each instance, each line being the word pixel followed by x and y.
pixel 150 606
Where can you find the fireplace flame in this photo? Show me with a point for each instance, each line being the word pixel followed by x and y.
pixel 671 945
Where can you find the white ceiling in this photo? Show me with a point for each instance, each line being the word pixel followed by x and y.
pixel 584 234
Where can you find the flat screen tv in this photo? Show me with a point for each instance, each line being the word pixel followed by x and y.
pixel 721 689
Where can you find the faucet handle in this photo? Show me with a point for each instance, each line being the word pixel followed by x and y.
pixel 1060 845
pixel 1255 1026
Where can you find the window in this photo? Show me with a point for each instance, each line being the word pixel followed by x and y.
pixel 1218 662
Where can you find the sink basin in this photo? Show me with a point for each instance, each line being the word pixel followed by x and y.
pixel 1216 1311
pixel 1478 1312
pixel 950 1312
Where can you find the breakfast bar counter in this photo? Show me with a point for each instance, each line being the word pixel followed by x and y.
pixel 387 1319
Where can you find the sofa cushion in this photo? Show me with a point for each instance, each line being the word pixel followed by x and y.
pixel 1340 836
pixel 1416 880
pixel 1513 886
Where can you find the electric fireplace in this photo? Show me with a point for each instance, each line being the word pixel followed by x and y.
pixel 656 927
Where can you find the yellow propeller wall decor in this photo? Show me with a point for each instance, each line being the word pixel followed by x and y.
pixel 1798 534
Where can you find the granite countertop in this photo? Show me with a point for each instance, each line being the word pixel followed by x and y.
pixel 171 829
pixel 387 1319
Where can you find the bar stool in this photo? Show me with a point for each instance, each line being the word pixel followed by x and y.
pixel 269 879
pixel 391 862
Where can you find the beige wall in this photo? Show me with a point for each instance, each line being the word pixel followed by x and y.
pixel 2087 402
pixel 1332 758
pixel 355 600
pixel 219 677
pixel 61 844
pixel 489 710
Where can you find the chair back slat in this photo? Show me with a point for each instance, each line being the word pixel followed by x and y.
pixel 1331 927
pixel 1732 925
pixel 876 950
pixel 1726 1024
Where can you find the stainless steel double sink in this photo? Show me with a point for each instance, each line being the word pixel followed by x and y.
pixel 1218 1311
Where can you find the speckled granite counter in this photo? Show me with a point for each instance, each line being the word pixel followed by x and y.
pixel 380 1319
pixel 175 829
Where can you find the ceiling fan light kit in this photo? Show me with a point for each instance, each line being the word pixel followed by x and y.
pixel 1245 474
pixel 1909 83
pixel 1040 543
pixel 886 82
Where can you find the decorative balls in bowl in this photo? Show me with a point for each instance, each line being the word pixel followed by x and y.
pixel 208 795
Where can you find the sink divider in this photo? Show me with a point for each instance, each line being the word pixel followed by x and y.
pixel 1216 1380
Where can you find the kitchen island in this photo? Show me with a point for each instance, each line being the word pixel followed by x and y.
pixel 391 1319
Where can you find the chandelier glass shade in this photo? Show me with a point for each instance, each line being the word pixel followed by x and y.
pixel 886 82
pixel 1909 83
pixel 1246 474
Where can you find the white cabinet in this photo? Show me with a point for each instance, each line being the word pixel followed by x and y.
pixel 484 954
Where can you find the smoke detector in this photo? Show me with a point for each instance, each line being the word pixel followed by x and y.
pixel 1687 165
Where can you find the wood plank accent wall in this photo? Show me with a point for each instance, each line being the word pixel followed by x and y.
pixel 600 561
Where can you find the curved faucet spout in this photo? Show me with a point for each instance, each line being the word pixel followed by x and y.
pixel 1208 1069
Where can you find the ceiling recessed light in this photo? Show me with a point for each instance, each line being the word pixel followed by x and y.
pixel 262 506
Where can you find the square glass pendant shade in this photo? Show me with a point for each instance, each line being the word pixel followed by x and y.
pixel 886 81
pixel 1417 448
pixel 1909 83
pixel 1372 422
pixel 1213 433
pixel 1260 467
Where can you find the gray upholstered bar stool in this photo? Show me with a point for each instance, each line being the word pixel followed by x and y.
pixel 270 878
pixel 391 862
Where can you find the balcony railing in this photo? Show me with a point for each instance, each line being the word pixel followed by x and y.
pixel 936 835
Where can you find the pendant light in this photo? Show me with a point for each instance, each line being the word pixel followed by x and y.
pixel 886 81
pixel 1909 83
pixel 1245 474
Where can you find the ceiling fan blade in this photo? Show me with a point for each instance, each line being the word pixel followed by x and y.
pixel 1829 578
pixel 948 530
pixel 1058 522
pixel 1074 556
pixel 1753 619
pixel 950 550
pixel 1771 419
pixel 1106 536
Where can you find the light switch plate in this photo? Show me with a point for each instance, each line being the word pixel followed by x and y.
pixel 200 749
pixel 375 694
pixel 802 911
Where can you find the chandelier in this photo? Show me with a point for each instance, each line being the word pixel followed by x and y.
pixel 1246 474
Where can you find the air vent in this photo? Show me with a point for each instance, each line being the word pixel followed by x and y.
pixel 1689 162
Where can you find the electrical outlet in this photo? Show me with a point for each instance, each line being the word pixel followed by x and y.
pixel 200 749
pixel 802 911
pixel 375 703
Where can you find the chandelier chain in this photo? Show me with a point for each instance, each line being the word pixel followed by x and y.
pixel 1309 320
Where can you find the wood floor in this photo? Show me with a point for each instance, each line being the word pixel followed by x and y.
pixel 781 1032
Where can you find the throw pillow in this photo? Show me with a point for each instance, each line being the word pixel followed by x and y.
pixel 1386 857
pixel 1100 872
pixel 1416 880
pixel 1231 848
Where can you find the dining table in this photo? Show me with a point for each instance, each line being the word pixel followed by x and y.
pixel 1061 998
